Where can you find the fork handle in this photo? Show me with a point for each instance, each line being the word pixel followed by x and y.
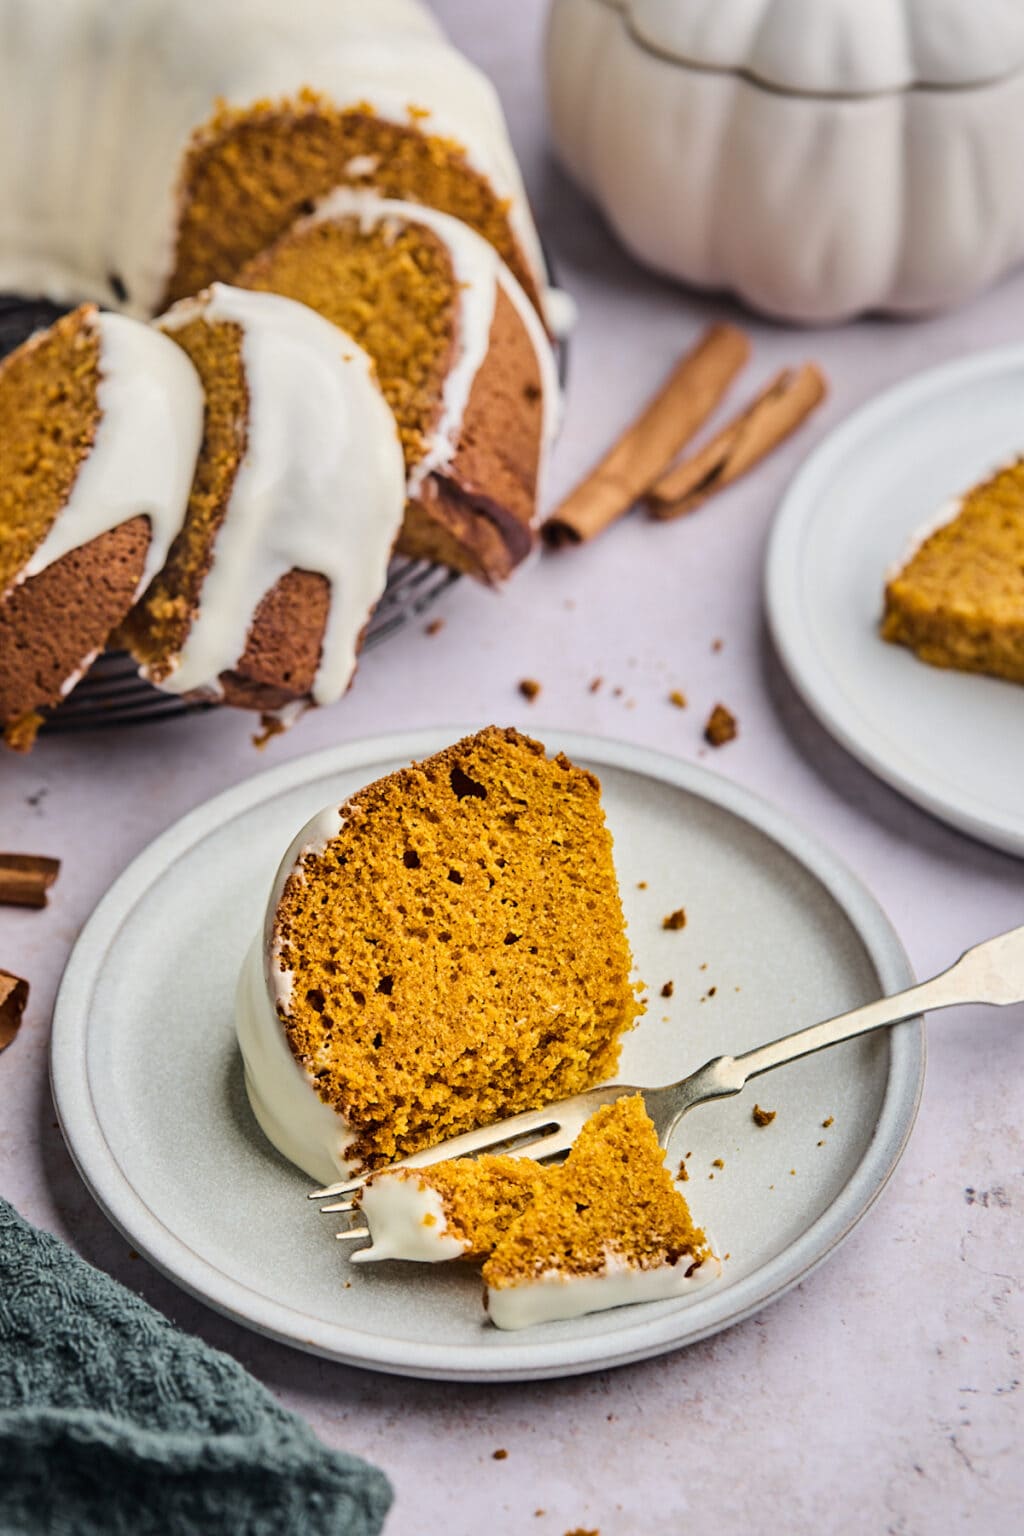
pixel 992 972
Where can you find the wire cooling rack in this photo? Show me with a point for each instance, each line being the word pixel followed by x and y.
pixel 112 693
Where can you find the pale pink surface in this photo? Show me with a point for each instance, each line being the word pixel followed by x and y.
pixel 883 1394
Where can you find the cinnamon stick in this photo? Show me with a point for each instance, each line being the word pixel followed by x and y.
pixel 681 406
pixel 25 879
pixel 13 997
pixel 778 410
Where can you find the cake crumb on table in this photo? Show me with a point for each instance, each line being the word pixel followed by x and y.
pixel 595 683
pixel 717 1162
pixel 716 646
pixel 499 1455
pixel 684 1172
pixel 529 688
pixel 721 727
pixel 675 920
pixel 668 989
pixel 678 698
pixel 270 726
pixel 434 627
pixel 641 885
pixel 826 1123
pixel 762 1116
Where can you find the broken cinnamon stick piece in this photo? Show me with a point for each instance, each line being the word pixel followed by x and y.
pixel 25 879
pixel 778 410
pixel 13 997
pixel 683 403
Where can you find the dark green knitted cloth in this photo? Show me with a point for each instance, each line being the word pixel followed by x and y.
pixel 111 1420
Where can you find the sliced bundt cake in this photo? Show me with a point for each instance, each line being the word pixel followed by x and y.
pixel 958 600
pixel 295 507
pixel 461 356
pixel 150 149
pixel 445 948
pixel 102 418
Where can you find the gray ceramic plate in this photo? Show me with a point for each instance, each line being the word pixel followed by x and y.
pixel 148 1084
pixel 950 741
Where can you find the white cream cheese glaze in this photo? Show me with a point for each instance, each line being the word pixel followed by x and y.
pixel 99 100
pixel 321 487
pixel 283 1096
pixel 555 1296
pixel 479 272
pixel 407 1220
pixel 301 1125
pixel 144 452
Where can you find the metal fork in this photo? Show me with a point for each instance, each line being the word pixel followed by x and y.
pixel 992 972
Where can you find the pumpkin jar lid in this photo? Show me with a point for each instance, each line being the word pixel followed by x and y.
pixel 837 47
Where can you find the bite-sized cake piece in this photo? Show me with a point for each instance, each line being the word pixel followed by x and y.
pixel 450 1210
pixel 958 600
pixel 295 507
pixel 102 418
pixel 445 948
pixel 461 356
pixel 606 1228
pixel 219 123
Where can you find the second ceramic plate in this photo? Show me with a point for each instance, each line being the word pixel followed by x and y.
pixel 148 1084
pixel 952 742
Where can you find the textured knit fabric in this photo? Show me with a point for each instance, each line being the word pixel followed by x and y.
pixel 111 1420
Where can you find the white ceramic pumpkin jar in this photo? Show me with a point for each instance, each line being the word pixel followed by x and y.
pixel 817 157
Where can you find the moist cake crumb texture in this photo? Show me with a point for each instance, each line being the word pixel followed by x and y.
pixel 612 1196
pixel 456 953
pixel 959 600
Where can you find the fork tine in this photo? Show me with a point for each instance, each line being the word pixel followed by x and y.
pixel 338 1205
pixel 351 1235
pixel 345 1187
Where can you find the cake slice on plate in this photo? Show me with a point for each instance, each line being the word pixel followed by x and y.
pixel 445 948
pixel 958 600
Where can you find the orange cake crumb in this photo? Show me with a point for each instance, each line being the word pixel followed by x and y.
pixel 457 951
pixel 721 727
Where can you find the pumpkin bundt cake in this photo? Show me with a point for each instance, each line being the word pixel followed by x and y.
pixel 445 948
pixel 958 600
pixel 102 418
pixel 605 1228
pixel 295 507
pixel 219 123
pixel 461 356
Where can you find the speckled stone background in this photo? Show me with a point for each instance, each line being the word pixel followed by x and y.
pixel 885 1393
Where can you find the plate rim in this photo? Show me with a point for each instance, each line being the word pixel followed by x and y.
pixel 634 1340
pixel 787 615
